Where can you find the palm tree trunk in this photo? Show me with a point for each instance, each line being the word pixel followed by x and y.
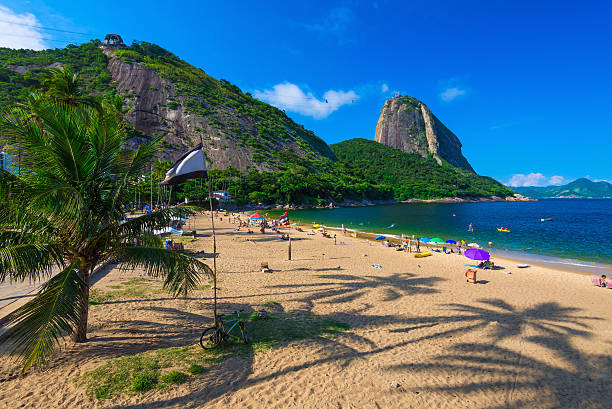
pixel 80 332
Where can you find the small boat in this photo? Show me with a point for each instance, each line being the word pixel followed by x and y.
pixel 548 219
pixel 503 230
pixel 523 265
pixel 316 225
pixel 421 255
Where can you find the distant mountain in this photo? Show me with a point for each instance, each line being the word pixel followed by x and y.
pixel 578 188
pixel 407 124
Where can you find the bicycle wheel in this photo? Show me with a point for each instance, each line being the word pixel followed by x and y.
pixel 245 337
pixel 211 337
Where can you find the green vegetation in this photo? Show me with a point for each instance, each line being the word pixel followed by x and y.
pixel 161 368
pixel 317 174
pixel 140 288
pixel 86 59
pixel 410 175
pixel 363 170
pixel 174 377
pixel 63 213
pixel 246 119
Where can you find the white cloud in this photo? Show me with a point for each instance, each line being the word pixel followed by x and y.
pixel 384 88
pixel 450 94
pixel 15 30
pixel 290 97
pixel 535 179
pixel 556 180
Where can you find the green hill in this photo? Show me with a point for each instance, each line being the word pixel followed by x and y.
pixel 169 97
pixel 255 149
pixel 578 188
pixel 410 174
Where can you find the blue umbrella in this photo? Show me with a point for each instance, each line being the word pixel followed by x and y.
pixel 379 237
pixel 424 239
pixel 451 241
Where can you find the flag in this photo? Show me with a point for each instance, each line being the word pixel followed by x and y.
pixel 192 165
pixel 284 219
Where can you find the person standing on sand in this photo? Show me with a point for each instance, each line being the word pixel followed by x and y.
pixel 334 239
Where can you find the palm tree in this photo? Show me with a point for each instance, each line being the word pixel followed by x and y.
pixel 62 217
pixel 63 85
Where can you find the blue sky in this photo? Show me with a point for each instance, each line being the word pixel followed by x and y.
pixel 526 86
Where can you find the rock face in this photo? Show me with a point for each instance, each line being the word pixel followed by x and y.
pixel 231 137
pixel 407 124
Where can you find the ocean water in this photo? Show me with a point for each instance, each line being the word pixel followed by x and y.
pixel 579 235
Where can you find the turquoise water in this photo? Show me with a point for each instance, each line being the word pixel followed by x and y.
pixel 581 228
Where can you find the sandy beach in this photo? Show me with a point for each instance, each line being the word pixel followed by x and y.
pixel 419 335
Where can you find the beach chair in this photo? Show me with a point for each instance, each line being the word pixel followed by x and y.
pixel 596 280
pixel 470 276
pixel 609 283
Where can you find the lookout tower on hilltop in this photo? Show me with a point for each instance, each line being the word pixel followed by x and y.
pixel 113 41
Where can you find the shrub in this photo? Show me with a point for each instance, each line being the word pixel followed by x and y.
pixel 144 381
pixel 174 377
pixel 195 369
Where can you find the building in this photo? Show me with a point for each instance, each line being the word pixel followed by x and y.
pixel 113 41
pixel 6 162
pixel 222 196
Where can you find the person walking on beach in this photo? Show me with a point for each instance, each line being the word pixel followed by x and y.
pixel 334 239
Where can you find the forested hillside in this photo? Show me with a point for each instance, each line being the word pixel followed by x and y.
pixel 254 149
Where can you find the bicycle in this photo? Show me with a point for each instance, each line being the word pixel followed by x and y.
pixel 212 337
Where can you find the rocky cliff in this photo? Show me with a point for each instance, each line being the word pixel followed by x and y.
pixel 407 124
pixel 170 98
pixel 182 103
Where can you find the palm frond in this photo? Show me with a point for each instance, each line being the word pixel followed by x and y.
pixel 180 271
pixel 28 261
pixel 152 221
pixel 37 326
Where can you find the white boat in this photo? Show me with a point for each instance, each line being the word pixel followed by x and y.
pixel 548 219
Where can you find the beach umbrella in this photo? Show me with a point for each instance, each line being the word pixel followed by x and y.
pixel 424 239
pixel 477 254
pixel 437 240
pixel 475 245
pixel 451 241
pixel 381 237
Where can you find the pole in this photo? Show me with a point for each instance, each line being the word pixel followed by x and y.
pixel 212 221
pixel 289 248
pixel 151 187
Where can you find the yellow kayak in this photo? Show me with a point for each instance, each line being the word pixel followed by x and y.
pixel 420 255
pixel 316 225
pixel 504 230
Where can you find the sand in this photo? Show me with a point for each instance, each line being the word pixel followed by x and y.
pixel 420 336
